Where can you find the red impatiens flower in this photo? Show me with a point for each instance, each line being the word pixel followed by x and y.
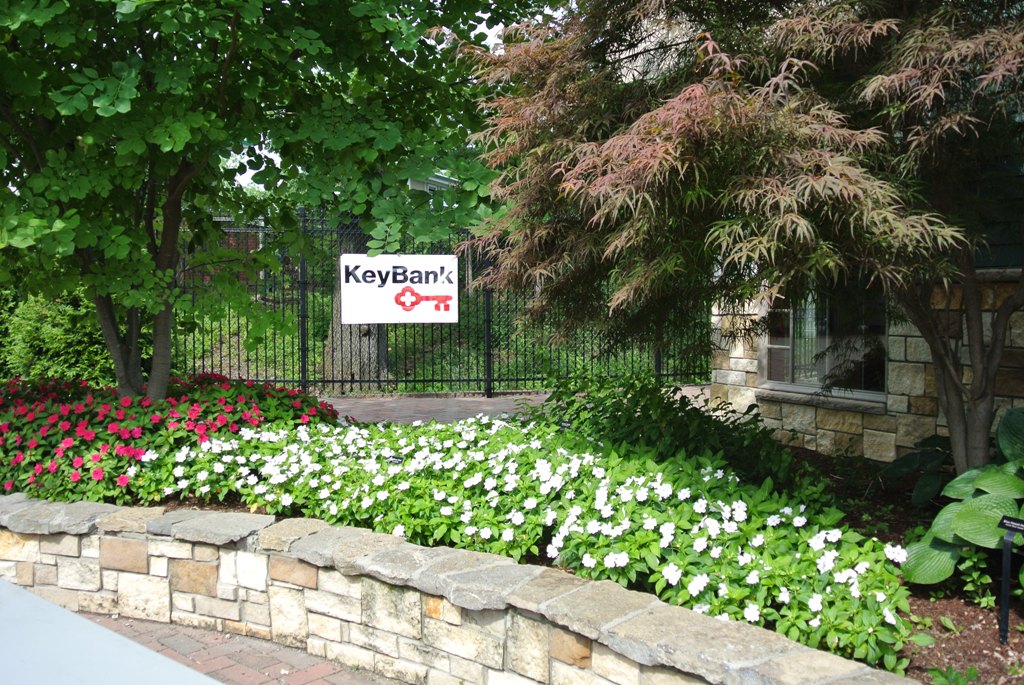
pixel 77 462
pixel 75 476
pixel 137 432
pixel 113 427
pixel 64 425
pixel 43 431
pixel 126 401
pixel 122 480
pixel 32 443
pixel 104 449
pixel 52 467
pixel 155 419
pixel 8 485
pixel 97 474
pixel 67 442
pixel 95 457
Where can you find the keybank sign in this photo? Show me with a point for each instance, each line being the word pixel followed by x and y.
pixel 399 289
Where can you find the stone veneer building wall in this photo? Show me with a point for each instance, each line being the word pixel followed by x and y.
pixel 883 428
pixel 429 616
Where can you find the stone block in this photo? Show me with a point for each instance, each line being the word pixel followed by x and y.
pixel 158 566
pixel 379 641
pixel 47 518
pixel 614 667
pixel 338 583
pixel 413 650
pixel 44 574
pixel 353 656
pixel 164 525
pixel 400 669
pixel 324 626
pixel 63 545
pixel 390 608
pixel 98 602
pixel 911 429
pixel 294 571
pixel 845 443
pixel 435 677
pixel 397 564
pixel 905 378
pixel 59 596
pixel 78 574
pixel 182 602
pixel 9 570
pixel 825 442
pixel 918 351
pixel 220 528
pixel 794 668
pixel 256 613
pixel 486 650
pixel 441 609
pixel 486 587
pixel 145 597
pixel 770 410
pixel 252 570
pixel 12 503
pixel 926 406
pixel 799 418
pixel 742 397
pixel 527 648
pixel 128 519
pixel 288 623
pixel 745 365
pixel 280 536
pixel 205 553
pixel 90 546
pixel 263 633
pixel 843 421
pixel 896 348
pixel 729 377
pixel 466 670
pixel 492 622
pixel 24 573
pixel 316 646
pixel 879 446
pixel 507 678
pixel 170 549
pixel 124 554
pixel 195 621
pixel 570 648
pixel 657 675
pixel 338 606
pixel 195 577
pixel 897 404
pixel 228 573
pixel 595 605
pixel 235 627
pixel 882 423
pixel 218 608
pixel 229 592
pixel 16 547
pixel 564 674
pixel 548 585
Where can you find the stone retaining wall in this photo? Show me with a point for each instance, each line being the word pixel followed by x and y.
pixel 430 616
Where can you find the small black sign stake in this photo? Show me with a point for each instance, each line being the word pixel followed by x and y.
pixel 1012 526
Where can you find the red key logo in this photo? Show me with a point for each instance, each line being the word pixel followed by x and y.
pixel 407 299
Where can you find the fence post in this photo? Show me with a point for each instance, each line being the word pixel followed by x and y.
pixel 303 311
pixel 488 347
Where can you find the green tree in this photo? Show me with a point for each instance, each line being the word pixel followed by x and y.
pixel 124 124
pixel 660 154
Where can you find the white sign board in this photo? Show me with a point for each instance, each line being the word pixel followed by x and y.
pixel 399 289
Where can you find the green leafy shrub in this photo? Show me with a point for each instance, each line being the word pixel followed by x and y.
pixel 57 339
pixel 644 414
pixel 982 496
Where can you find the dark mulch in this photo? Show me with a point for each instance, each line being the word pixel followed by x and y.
pixel 966 635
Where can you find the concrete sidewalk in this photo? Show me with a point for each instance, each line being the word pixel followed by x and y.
pixel 406 409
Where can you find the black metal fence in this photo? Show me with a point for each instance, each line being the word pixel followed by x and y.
pixel 489 350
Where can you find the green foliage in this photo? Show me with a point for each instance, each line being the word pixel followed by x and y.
pixel 641 412
pixel 983 496
pixel 951 676
pixel 930 463
pixel 114 160
pixel 56 338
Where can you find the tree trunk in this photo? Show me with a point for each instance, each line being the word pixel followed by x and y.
pixel 160 370
pixel 123 346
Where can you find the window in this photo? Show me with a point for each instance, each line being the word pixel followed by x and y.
pixel 829 341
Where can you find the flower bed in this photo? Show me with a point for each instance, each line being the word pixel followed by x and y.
pixel 686 529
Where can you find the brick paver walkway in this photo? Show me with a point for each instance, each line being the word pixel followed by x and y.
pixel 235 659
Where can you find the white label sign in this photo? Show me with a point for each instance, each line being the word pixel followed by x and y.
pixel 399 289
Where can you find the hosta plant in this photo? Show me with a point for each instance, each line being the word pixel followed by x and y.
pixel 982 496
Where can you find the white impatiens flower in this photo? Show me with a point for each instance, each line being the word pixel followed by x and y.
pixel 833 535
pixel 697 584
pixel 814 603
pixel 879 596
pixel 757 540
pixel 672 574
pixel 702 608
pixel 616 559
pixel 814 622
pixel 700 544
pixel 889 618
pixel 752 613
pixel 753 578
pixel 895 554
pixel 817 543
pixel 485 533
pixel 399 531
pixel 588 561
pixel 508 535
pixel 517 518
pixel 828 561
pixel 784 595
pixel 700 506
pixel 799 521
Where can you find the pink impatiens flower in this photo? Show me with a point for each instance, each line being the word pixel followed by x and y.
pixel 122 480
pixel 75 476
pixel 97 474
pixel 77 462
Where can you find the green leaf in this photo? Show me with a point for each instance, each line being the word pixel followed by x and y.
pixel 942 526
pixel 930 561
pixel 962 486
pixel 978 519
pixel 997 482
pixel 927 487
pixel 922 639
pixel 1010 434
